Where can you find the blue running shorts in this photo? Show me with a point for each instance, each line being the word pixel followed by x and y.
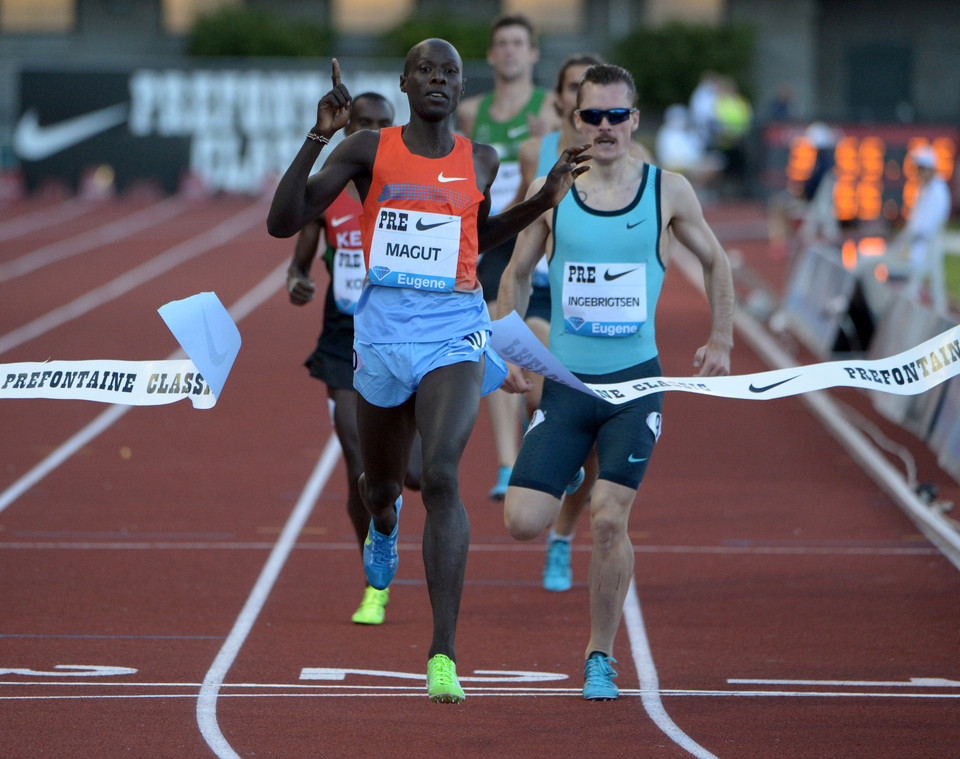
pixel 387 374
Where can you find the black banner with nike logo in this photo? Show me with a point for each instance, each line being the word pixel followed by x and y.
pixel 72 122
pixel 234 130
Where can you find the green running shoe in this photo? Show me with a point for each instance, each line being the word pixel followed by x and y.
pixel 598 678
pixel 372 609
pixel 442 684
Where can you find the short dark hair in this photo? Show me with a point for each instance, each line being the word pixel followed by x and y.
pixel 606 73
pixel 579 59
pixel 374 96
pixel 513 19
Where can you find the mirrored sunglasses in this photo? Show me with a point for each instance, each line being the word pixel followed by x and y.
pixel 594 116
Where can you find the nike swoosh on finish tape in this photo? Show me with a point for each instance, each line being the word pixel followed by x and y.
pixel 33 142
pixel 755 389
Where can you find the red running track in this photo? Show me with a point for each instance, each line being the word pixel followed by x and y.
pixel 180 583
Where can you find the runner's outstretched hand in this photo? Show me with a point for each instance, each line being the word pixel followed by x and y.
pixel 333 110
pixel 713 360
pixel 564 172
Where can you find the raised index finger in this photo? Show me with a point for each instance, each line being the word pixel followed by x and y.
pixel 336 73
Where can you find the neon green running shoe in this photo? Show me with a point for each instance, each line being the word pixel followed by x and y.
pixel 372 608
pixel 442 684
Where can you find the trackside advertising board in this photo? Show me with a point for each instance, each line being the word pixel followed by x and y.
pixel 232 129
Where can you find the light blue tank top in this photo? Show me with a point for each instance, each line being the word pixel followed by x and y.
pixel 594 254
pixel 549 152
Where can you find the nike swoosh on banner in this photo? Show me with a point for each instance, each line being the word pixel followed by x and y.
pixel 610 277
pixel 424 227
pixel 33 142
pixel 218 357
pixel 442 178
pixel 340 220
pixel 754 389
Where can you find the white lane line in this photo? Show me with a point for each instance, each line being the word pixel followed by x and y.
pixel 249 301
pixel 161 264
pixel 93 238
pixel 398 692
pixel 649 682
pixel 43 217
pixel 207 700
pixel 409 544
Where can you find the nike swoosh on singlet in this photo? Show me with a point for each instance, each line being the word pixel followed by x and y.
pixel 755 389
pixel 33 142
pixel 442 178
pixel 424 227
pixel 635 224
pixel 517 131
pixel 340 220
pixel 610 277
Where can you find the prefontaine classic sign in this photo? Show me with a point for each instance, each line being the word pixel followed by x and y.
pixel 232 129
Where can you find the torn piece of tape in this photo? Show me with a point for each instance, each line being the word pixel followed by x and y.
pixel 203 328
pixel 908 373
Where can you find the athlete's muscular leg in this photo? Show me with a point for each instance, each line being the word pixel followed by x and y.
pixel 385 438
pixel 611 562
pixel 447 402
pixel 528 512
pixel 345 423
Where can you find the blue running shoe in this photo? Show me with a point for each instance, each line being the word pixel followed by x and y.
pixel 499 491
pixel 576 482
pixel 557 575
pixel 380 556
pixel 598 678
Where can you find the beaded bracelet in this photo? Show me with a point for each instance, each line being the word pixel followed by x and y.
pixel 318 138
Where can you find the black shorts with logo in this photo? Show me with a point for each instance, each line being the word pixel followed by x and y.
pixel 568 422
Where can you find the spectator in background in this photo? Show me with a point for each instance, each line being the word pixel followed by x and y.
pixel 922 237
pixel 808 209
pixel 680 148
pixel 781 107
pixel 703 108
pixel 734 117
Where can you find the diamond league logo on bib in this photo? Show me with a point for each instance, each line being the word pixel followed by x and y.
pixel 380 273
pixel 415 249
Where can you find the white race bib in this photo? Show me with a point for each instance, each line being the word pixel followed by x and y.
pixel 415 249
pixel 348 273
pixel 604 300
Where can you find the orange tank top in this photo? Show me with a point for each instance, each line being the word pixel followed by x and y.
pixel 420 217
